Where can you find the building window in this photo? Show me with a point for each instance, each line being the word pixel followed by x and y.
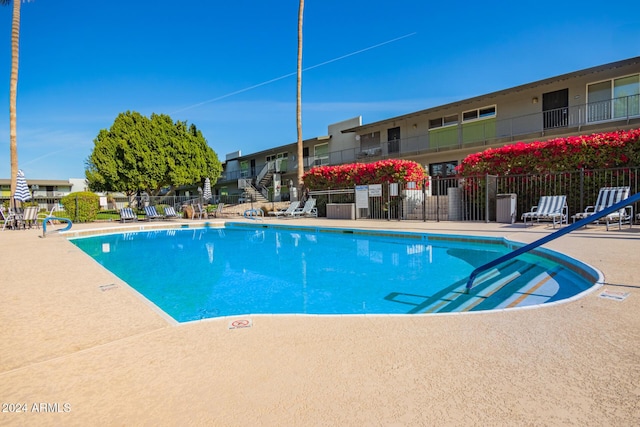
pixel 321 154
pixel 370 140
pixel 479 113
pixel 450 120
pixel 277 156
pixel 278 162
pixel 444 169
pixel 614 98
pixel 244 169
pixel 443 177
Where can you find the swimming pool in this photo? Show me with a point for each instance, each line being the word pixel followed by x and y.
pixel 197 273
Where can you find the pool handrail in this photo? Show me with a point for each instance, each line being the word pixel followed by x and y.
pixel 568 229
pixel 54 218
pixel 254 214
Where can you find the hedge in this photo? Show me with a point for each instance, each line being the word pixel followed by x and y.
pixel 595 151
pixel 81 206
pixel 350 175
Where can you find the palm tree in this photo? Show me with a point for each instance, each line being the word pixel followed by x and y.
pixel 299 100
pixel 13 92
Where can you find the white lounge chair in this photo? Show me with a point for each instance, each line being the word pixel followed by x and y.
pixel 552 208
pixel 170 212
pixel 151 213
pixel 289 211
pixel 609 196
pixel 43 215
pixel 309 209
pixel 127 214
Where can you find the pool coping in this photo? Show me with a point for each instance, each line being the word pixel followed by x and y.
pixel 596 276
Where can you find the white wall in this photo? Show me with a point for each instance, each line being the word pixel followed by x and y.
pixel 78 184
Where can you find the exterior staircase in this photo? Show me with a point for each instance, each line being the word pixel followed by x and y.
pixel 265 179
pixel 256 196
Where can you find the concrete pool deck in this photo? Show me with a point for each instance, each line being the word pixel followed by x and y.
pixel 79 347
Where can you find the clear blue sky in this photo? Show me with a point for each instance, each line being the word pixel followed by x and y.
pixel 83 62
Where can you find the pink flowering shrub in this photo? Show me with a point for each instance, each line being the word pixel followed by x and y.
pixel 349 175
pixel 596 151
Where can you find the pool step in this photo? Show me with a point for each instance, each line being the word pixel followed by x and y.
pixel 537 291
pixel 461 301
pixel 490 290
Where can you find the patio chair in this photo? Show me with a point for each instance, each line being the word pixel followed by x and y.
pixel 30 216
pixel 289 211
pixel 552 208
pixel 43 215
pixel 127 214
pixel 170 212
pixel 217 212
pixel 609 196
pixel 8 218
pixel 309 209
pixel 199 211
pixel 150 213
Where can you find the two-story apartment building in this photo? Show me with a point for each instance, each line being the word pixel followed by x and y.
pixel 46 188
pixel 597 99
pixel 273 172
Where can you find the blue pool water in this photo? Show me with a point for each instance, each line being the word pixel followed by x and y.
pixel 197 273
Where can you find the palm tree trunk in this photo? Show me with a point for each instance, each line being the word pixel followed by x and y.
pixel 13 94
pixel 299 100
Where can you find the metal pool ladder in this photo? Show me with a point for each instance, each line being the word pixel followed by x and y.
pixel 568 229
pixel 254 214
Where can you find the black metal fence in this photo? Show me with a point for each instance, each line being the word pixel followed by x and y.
pixel 437 199
pixel 138 202
pixel 476 198
pixel 581 188
pixel 393 202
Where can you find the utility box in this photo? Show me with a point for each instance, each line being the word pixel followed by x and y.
pixel 506 208
pixel 341 211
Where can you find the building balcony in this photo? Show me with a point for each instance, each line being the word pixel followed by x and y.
pixel 592 117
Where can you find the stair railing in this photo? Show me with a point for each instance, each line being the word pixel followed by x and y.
pixel 263 172
pixel 268 167
pixel 568 229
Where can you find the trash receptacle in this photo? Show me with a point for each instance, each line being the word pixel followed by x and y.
pixel 506 208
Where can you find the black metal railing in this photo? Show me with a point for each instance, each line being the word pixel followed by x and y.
pixel 475 198
pixel 478 194
pixel 608 113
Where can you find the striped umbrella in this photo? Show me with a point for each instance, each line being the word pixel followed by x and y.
pixel 22 189
pixel 206 194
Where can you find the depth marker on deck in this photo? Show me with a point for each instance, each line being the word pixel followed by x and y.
pixel 240 323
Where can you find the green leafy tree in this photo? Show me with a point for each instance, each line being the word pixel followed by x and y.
pixel 142 153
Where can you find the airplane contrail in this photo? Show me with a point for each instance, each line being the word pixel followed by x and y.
pixel 246 89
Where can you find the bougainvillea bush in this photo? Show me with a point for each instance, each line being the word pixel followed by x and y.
pixel 596 151
pixel 349 175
